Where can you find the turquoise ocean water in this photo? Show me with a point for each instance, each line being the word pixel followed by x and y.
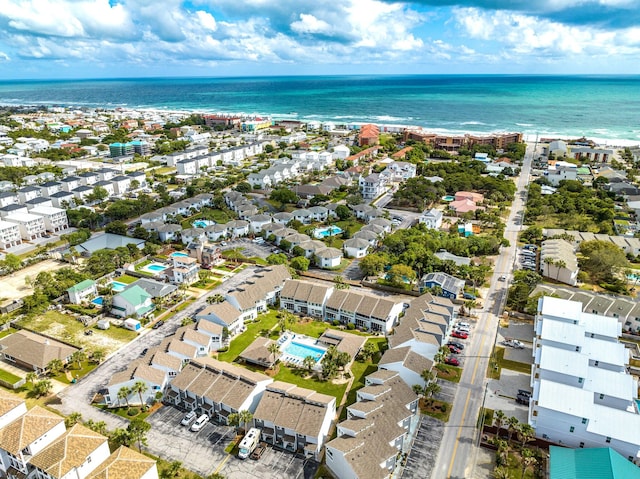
pixel 605 107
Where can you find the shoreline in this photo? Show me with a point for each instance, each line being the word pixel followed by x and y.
pixel 529 135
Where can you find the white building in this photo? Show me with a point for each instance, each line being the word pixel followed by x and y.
pixel 373 185
pixel 432 219
pixel 9 234
pixel 55 219
pixel 583 395
pixel 31 226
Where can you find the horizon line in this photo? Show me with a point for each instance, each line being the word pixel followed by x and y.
pixel 390 75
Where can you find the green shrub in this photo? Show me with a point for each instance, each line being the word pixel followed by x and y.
pixel 335 322
pixel 133 411
pixel 351 326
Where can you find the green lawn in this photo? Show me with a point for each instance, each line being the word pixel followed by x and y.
pixel 352 225
pixel 434 408
pixel 7 332
pixel 8 377
pixel 239 343
pixel 316 328
pixel 450 373
pixel 126 279
pixel 499 361
pixel 298 377
pixel 85 368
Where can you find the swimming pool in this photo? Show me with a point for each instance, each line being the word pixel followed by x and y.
pixel 328 231
pixel 97 301
pixel 448 198
pixel 301 351
pixel 202 223
pixel 154 268
pixel 117 286
pixel 178 254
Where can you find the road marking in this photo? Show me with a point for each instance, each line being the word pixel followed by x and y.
pixel 221 465
pixel 466 405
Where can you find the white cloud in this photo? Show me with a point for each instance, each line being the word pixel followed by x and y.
pixel 310 24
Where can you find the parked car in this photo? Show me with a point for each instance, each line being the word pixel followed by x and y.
pixel 502 278
pixel 463 327
pixel 457 344
pixel 524 392
pixel 223 243
pixel 460 334
pixel 200 422
pixel 453 349
pixel 468 296
pixel 144 352
pixel 158 324
pixel 258 451
pixel 523 399
pixel 188 419
pixel 450 360
pixel 513 343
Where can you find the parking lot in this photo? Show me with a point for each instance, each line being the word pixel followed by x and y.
pixel 425 449
pixel 203 451
pixel 249 248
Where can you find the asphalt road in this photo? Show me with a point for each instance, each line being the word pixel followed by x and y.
pixel 77 397
pixel 456 457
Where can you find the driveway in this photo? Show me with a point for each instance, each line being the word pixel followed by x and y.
pixel 274 464
pixel 78 397
pixel 501 393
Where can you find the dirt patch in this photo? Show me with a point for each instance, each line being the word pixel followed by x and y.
pixel 14 287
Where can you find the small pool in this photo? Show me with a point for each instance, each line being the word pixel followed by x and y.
pixel 97 301
pixel 328 231
pixel 202 223
pixel 154 268
pixel 117 286
pixel 633 276
pixel 178 254
pixel 301 351
pixel 448 198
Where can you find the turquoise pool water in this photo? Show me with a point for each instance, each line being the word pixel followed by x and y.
pixel 97 301
pixel 301 351
pixel 155 267
pixel 177 254
pixel 633 276
pixel 448 198
pixel 117 286
pixel 202 223
pixel 638 404
pixel 328 231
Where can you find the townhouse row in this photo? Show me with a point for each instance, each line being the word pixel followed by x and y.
pixel 35 444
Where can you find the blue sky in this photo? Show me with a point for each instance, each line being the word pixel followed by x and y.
pixel 139 38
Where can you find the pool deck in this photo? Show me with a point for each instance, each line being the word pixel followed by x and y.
pixel 288 337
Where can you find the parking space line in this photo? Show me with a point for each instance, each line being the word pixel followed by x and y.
pixel 221 465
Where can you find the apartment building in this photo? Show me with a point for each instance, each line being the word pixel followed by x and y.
pixel 377 428
pixel 583 395
pixel 305 298
pixel 367 312
pixel 294 418
pixel 373 185
pixel 9 234
pixel 55 219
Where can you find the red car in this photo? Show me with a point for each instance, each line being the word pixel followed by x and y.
pixel 452 361
pixel 459 334
pixel 453 349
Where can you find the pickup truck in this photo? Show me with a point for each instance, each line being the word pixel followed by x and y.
pixel 258 451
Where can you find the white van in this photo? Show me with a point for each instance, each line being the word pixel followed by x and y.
pixel 249 443
pixel 200 422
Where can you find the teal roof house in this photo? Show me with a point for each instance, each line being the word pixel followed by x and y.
pixel 133 301
pixel 596 463
pixel 83 291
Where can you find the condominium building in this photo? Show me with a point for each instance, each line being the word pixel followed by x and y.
pixel 583 395
pixel 31 226
pixel 9 234
pixel 55 219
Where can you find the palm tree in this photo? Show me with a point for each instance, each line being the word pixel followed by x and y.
pixel 430 390
pixel 528 460
pixel 42 387
pixel 245 417
pixel 427 376
pixel 525 433
pixel 140 387
pixel 274 349
pixel 548 261
pixel 308 362
pixel 501 472
pixel 419 390
pixel 97 356
pixel 72 419
pixel 55 366
pixel 123 393
pixel 512 424
pixel 78 357
pixel 559 265
pixel 31 377
pixel 499 419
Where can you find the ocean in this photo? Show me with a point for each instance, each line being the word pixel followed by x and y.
pixel 605 108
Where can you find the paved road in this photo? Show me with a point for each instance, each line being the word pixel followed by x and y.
pixel 77 397
pixel 456 457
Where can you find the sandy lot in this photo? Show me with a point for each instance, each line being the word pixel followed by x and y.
pixel 13 286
